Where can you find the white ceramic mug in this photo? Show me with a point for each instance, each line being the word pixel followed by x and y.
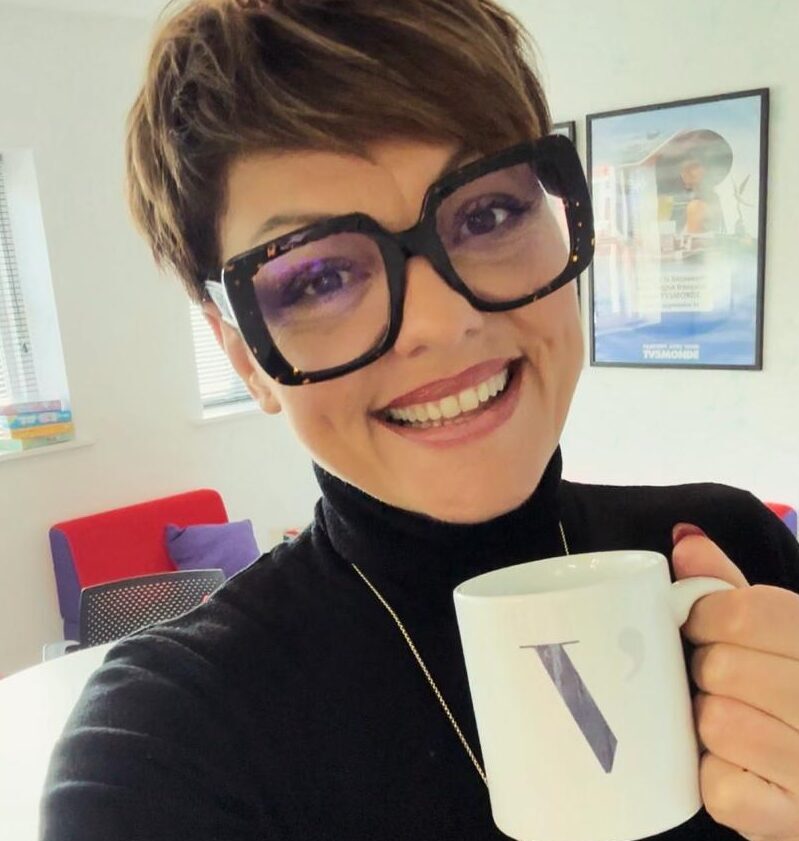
pixel 581 697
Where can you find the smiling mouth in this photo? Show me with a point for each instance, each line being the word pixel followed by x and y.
pixel 454 408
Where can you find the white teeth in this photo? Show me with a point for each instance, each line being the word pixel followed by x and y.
pixel 468 400
pixel 435 412
pixel 450 408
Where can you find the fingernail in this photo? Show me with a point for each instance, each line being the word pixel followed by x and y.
pixel 682 530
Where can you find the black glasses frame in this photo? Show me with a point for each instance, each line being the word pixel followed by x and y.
pixel 559 169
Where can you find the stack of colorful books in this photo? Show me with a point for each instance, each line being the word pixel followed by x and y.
pixel 25 426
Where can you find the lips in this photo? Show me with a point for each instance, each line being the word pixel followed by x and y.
pixel 438 389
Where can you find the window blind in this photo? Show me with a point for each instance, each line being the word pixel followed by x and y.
pixel 220 385
pixel 17 371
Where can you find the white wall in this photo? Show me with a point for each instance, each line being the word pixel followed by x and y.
pixel 666 426
pixel 66 81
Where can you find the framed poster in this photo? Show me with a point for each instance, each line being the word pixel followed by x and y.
pixel 567 129
pixel 679 196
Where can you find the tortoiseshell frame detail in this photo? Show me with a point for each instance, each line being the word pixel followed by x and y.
pixel 560 171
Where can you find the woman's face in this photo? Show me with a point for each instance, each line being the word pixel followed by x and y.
pixel 476 465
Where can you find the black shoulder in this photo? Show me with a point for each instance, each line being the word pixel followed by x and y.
pixel 643 516
pixel 168 711
pixel 152 719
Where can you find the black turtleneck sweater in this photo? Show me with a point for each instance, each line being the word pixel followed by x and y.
pixel 289 707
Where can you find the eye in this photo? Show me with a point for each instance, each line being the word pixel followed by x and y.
pixel 316 282
pixel 331 280
pixel 315 288
pixel 484 220
pixel 489 215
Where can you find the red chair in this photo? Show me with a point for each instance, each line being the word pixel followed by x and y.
pixel 786 513
pixel 122 543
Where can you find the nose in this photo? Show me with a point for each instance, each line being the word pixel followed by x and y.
pixel 434 316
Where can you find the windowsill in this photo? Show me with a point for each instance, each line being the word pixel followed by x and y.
pixel 236 410
pixel 75 444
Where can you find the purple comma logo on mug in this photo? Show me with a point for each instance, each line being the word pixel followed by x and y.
pixel 577 696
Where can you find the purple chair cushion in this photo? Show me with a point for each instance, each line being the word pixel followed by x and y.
pixel 226 546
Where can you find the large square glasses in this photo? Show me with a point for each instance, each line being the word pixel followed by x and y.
pixel 327 299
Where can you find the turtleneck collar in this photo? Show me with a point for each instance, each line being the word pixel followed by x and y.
pixel 413 550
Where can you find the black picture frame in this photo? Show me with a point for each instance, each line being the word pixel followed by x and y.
pixel 678 275
pixel 567 129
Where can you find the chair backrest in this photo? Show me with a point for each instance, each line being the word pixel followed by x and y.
pixel 122 543
pixel 112 610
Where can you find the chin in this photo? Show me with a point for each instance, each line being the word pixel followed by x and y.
pixel 455 506
pixel 488 488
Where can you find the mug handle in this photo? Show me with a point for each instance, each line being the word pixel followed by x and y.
pixel 685 593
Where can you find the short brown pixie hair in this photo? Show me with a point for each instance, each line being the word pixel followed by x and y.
pixel 229 77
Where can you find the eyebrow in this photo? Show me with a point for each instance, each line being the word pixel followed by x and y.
pixel 295 220
pixel 301 220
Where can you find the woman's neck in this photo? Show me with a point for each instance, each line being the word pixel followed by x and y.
pixel 416 551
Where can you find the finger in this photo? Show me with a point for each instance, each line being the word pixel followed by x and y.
pixel 694 553
pixel 761 617
pixel 749 738
pixel 745 802
pixel 768 682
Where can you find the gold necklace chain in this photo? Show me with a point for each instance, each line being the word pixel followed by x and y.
pixel 424 668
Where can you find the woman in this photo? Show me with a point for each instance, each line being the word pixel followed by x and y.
pixel 280 157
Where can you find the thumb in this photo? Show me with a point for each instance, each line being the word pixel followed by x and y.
pixel 696 554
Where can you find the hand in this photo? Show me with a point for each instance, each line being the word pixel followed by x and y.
pixel 747 710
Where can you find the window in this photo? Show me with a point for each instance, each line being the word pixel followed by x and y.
pixel 34 397
pixel 17 371
pixel 220 385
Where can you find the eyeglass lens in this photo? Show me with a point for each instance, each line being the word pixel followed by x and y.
pixel 327 302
